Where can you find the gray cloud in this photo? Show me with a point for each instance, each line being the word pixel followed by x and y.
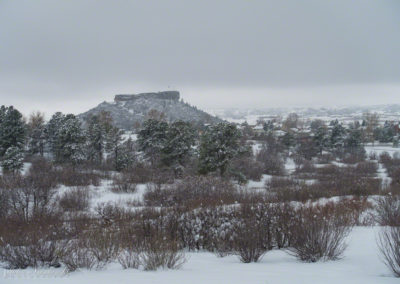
pixel 73 54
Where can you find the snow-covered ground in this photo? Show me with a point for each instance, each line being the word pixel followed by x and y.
pixel 380 148
pixel 360 265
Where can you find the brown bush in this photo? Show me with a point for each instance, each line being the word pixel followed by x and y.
pixel 192 192
pixel 252 233
pixel 124 182
pixel 70 176
pixel 319 234
pixel 27 197
pixel 36 243
pixel 159 252
pixel 389 246
pixel 388 210
pixel 76 199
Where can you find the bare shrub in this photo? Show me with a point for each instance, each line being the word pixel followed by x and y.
pixel 246 168
pixel 252 236
pixel 159 252
pixel 31 244
pixel 124 182
pixel 318 234
pixel 192 192
pixel 366 168
pixel 325 158
pixel 28 197
pixel 353 158
pixel 306 167
pixel 388 210
pixel 100 243
pixel 76 199
pixel 272 161
pixel 389 246
pixel 70 176
pixel 76 257
pixel 289 189
pixel 129 258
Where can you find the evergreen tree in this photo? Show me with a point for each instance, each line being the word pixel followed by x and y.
pixel 71 139
pixel 114 148
pixel 353 141
pixel 321 139
pixel 95 135
pixel 36 134
pixel 13 159
pixel 288 140
pixel 337 136
pixel 152 138
pixel 218 146
pixel 12 129
pixel 51 131
pixel 66 138
pixel 126 155
pixel 180 137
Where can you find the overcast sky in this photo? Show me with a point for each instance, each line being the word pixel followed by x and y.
pixel 71 55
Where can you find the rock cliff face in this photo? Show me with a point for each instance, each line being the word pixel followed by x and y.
pixel 128 111
pixel 166 95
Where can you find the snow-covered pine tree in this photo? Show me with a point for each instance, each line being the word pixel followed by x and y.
pixel 337 136
pixel 36 134
pixel 12 160
pixel 321 139
pixel 218 146
pixel 12 129
pixel 70 140
pixel 95 135
pixel 52 129
pixel 180 138
pixel 113 146
pixel 152 138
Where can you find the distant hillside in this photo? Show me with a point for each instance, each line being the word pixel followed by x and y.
pixel 130 110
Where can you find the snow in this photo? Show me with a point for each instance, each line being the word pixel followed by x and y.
pixel 379 149
pixel 290 166
pixel 360 265
pixel 103 194
pixel 258 184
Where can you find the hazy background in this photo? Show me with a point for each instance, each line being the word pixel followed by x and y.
pixel 72 55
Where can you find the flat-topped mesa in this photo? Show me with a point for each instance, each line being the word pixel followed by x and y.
pixel 166 95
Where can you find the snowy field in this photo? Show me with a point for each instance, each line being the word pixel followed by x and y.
pixel 380 148
pixel 361 264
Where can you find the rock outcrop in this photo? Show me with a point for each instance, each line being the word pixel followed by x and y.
pixel 129 111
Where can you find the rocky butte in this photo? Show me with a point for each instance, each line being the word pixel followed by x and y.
pixel 129 111
pixel 166 95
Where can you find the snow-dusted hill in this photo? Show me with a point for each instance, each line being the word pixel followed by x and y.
pixel 129 110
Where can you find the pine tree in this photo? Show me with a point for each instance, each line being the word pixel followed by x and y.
pixel 51 131
pixel 180 138
pixel 152 139
pixel 337 136
pixel 218 146
pixel 113 146
pixel 12 129
pixel 353 141
pixel 13 159
pixel 288 140
pixel 321 139
pixel 126 155
pixel 95 139
pixel 66 138
pixel 71 139
pixel 36 134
